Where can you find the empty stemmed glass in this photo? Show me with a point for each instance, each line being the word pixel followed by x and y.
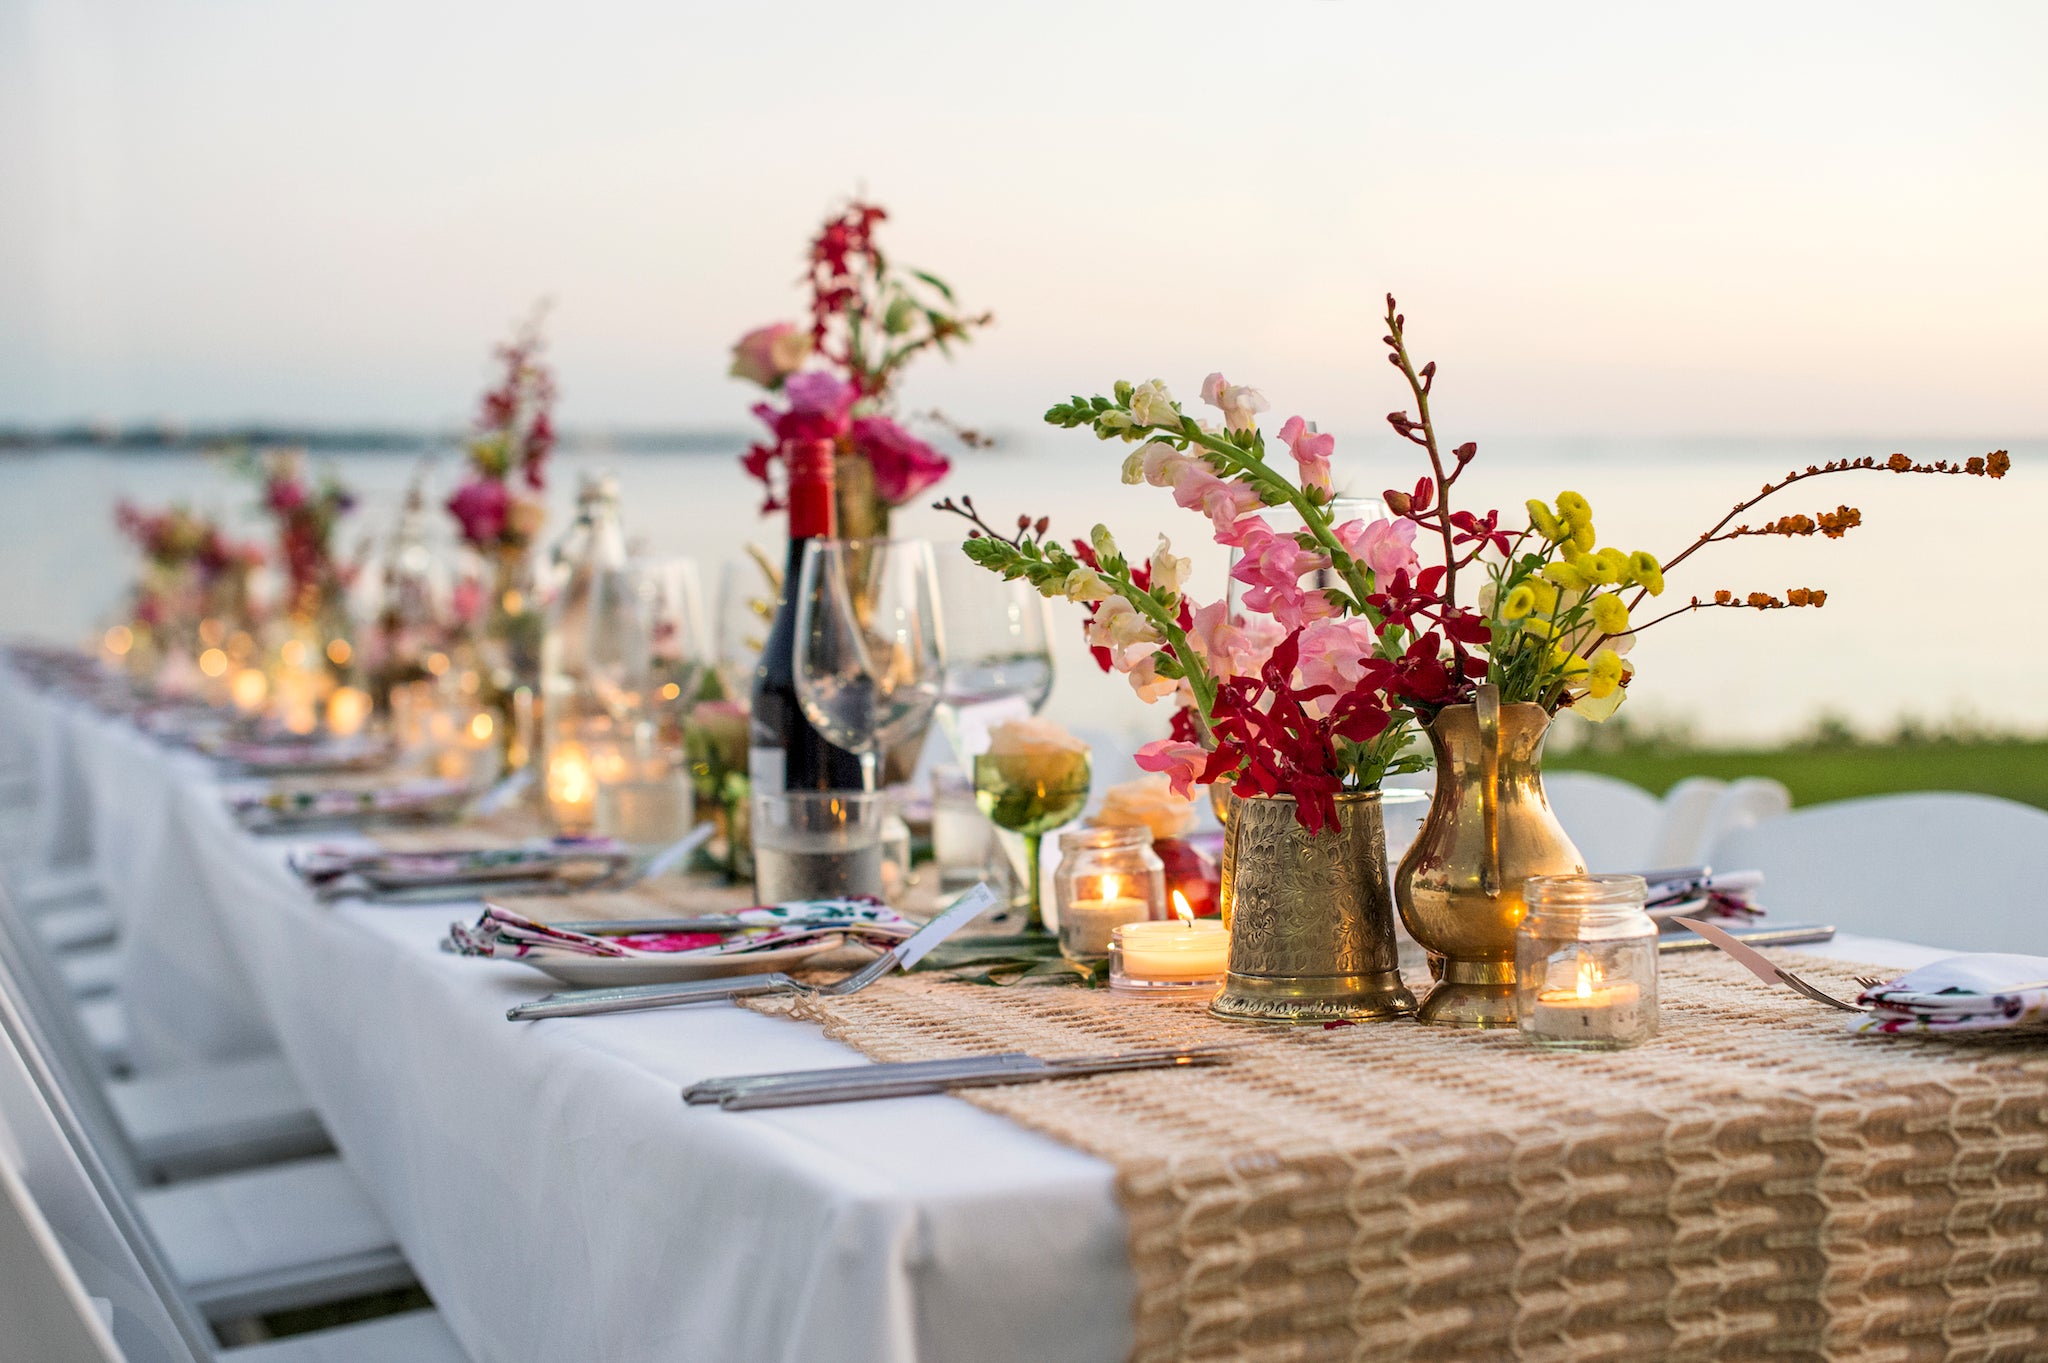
pixel 871 655
pixel 998 638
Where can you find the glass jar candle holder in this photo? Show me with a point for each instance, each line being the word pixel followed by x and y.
pixel 1183 959
pixel 1107 877
pixel 1586 963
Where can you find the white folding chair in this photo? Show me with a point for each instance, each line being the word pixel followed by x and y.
pixel 79 1243
pixel 1962 872
pixel 1744 804
pixel 1683 814
pixel 1610 821
pixel 197 1120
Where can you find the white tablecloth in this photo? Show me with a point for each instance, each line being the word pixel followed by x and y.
pixel 552 1191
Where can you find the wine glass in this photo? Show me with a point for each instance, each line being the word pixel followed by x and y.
pixel 871 655
pixel 1032 793
pixel 674 603
pixel 998 637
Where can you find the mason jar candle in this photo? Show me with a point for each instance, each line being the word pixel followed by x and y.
pixel 1107 877
pixel 1586 963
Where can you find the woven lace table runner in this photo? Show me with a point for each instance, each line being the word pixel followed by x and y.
pixel 1755 1182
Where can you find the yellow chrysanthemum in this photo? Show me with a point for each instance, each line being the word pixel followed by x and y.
pixel 1604 674
pixel 1566 576
pixel 1598 571
pixel 1569 664
pixel 1545 521
pixel 1582 536
pixel 1610 614
pixel 1646 572
pixel 1519 601
pixel 1546 596
pixel 1573 505
pixel 1538 626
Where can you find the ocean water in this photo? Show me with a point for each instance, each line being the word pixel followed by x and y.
pixel 1931 608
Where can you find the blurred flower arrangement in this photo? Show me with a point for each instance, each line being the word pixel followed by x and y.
pixel 868 320
pixel 1318 689
pixel 497 510
pixel 306 513
pixel 192 573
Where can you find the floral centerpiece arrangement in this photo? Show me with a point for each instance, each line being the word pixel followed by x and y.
pixel 193 591
pixel 1350 642
pixel 868 320
pixel 306 512
pixel 498 510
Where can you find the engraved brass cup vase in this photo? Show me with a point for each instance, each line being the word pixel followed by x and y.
pixel 1310 915
pixel 1489 828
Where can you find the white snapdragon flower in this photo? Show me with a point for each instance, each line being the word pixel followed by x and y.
pixel 1152 405
pixel 1085 584
pixel 1168 570
pixel 1103 542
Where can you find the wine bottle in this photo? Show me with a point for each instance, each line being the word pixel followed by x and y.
pixel 786 752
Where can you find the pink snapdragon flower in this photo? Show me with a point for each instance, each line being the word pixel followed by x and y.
pixel 1232 648
pixel 1222 501
pixel 480 507
pixel 1386 547
pixel 1240 404
pixel 1333 653
pixel 1311 451
pixel 1182 763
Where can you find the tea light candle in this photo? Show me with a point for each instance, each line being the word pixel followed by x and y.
pixel 1591 1009
pixel 1188 956
pixel 571 788
pixel 348 709
pixel 1086 924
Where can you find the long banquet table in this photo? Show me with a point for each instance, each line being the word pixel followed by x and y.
pixel 552 1192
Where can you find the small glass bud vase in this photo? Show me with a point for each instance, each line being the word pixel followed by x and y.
pixel 1586 963
pixel 1107 877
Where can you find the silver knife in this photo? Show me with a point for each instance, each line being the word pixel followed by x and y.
pixel 715 1090
pixel 862 1084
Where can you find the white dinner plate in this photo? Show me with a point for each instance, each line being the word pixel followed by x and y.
pixel 602 972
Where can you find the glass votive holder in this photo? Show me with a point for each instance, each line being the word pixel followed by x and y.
pixel 1107 877
pixel 651 804
pixel 1187 958
pixel 1586 963
pixel 818 844
pixel 962 836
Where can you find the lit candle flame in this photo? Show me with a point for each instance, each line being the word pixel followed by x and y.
pixel 1180 906
pixel 1112 888
pixel 1589 979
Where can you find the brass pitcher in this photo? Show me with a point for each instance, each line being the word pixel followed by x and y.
pixel 1490 827
pixel 1311 919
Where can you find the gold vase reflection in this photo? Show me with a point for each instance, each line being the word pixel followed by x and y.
pixel 1489 828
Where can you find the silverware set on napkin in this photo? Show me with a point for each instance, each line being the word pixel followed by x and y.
pixel 917 1078
pixel 639 997
pixel 462 887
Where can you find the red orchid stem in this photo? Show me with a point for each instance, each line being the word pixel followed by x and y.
pixel 1436 461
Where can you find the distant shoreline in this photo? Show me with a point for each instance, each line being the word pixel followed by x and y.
pixel 366 440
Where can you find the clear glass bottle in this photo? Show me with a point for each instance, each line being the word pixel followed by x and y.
pixel 1107 877
pixel 1586 962
pixel 594 657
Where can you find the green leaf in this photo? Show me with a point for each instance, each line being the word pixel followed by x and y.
pixel 936 283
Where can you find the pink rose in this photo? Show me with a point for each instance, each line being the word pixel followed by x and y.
pixel 1182 763
pixel 1311 451
pixel 286 495
pixel 819 407
pixel 768 355
pixel 904 465
pixel 480 507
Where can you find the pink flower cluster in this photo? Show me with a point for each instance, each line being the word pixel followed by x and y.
pixel 821 408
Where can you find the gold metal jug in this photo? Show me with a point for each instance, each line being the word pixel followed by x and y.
pixel 1311 919
pixel 1490 827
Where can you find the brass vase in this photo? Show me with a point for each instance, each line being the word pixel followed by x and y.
pixel 1490 827
pixel 1311 920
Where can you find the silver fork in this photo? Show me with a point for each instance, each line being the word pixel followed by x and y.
pixel 634 997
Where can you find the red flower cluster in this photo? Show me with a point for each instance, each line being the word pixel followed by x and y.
pixel 843 249
pixel 520 409
pixel 1268 732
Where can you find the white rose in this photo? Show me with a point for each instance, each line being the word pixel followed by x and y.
pixel 1169 571
pixel 1152 405
pixel 1037 752
pixel 1147 802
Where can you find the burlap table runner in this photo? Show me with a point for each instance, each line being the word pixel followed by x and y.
pixel 1753 1183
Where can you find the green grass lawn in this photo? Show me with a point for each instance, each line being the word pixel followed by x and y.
pixel 2015 770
